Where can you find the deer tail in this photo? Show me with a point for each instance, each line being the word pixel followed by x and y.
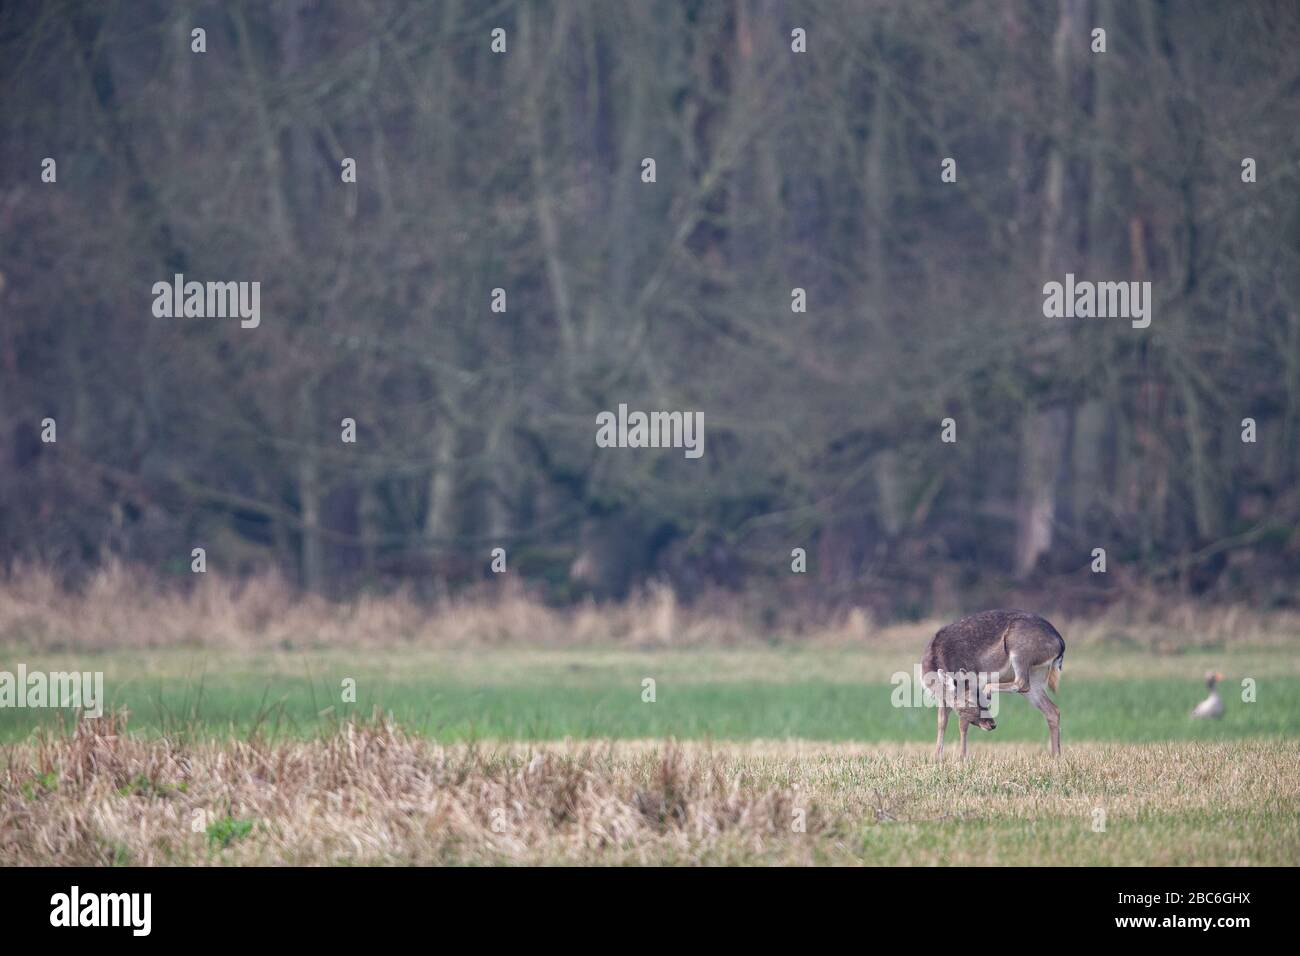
pixel 1054 672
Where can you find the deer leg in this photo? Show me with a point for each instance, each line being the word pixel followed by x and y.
pixel 1023 674
pixel 964 725
pixel 943 726
pixel 1020 685
pixel 1038 697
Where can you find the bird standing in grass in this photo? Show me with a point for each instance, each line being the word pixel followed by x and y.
pixel 1212 706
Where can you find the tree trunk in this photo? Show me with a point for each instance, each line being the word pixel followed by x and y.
pixel 309 497
pixel 1046 425
pixel 439 521
pixel 1041 459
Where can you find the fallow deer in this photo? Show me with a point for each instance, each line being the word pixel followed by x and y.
pixel 993 651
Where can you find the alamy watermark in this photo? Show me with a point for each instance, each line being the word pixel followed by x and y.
pixel 75 908
pixel 1101 300
pixel 208 300
pixel 56 689
pixel 962 690
pixel 626 429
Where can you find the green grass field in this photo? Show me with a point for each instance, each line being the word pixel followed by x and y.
pixel 535 695
pixel 782 756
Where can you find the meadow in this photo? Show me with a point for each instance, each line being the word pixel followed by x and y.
pixel 535 747
pixel 531 694
pixel 370 793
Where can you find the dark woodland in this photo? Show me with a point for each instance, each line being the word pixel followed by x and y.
pixel 776 170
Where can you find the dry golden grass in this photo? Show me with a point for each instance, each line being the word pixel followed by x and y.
pixel 120 607
pixel 371 794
